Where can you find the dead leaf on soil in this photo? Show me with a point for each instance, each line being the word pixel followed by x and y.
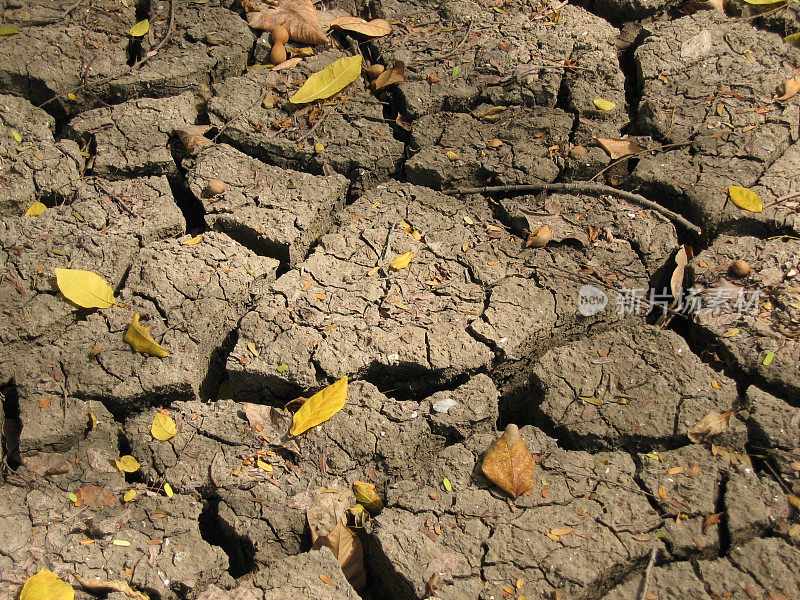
pixel 367 497
pixel 712 424
pixel 163 427
pixel 401 261
pixel 347 549
pixel 84 288
pixel 329 81
pixel 682 258
pixel 327 508
pixel 138 336
pixel 193 138
pixel 745 198
pixel 110 586
pixel 374 28
pixel 289 63
pixel 320 407
pixel 789 89
pixel 711 520
pixel 394 74
pixel 46 585
pixel 299 17
pixel 509 464
pixel 618 147
pixel 95 496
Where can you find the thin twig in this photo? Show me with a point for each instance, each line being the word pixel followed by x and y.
pixel 647 572
pixel 322 117
pixel 240 114
pixel 788 196
pixel 580 187
pixel 627 156
pixel 130 69
pixel 64 15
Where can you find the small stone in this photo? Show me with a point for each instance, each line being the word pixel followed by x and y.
pixel 740 268
pixel 216 187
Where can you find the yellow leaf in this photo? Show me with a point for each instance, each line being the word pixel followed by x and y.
pixel 140 28
pixel 794 500
pixel 84 288
pixel 263 465
pixel 731 332
pixel 604 104
pixel 129 495
pixel 72 97
pixel 168 490
pixel 35 209
pixel 332 79
pixel 163 427
pixel 320 407
pixel 8 31
pixel 367 496
pixel 509 464
pixel 451 155
pixel 402 261
pixel 128 464
pixel 744 198
pixel 192 241
pixel 318 148
pixel 793 39
pixel 46 585
pixel 139 337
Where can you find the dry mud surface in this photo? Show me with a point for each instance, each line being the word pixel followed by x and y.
pixel 290 288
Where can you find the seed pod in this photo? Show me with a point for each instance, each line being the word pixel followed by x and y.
pixel 280 35
pixel 278 54
pixel 740 268
pixel 539 237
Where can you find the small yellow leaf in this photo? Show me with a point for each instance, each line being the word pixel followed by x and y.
pixel 140 28
pixel 72 97
pixel 731 332
pixel 35 209
pixel 16 135
pixel 84 288
pixel 793 39
pixel 744 198
pixel 128 464
pixel 123 543
pixel 768 359
pixel 604 104
pixel 367 497
pixel 8 31
pixel 715 384
pixel 320 407
pixel 402 261
pixel 129 495
pixel 168 490
pixel 263 465
pixel 329 81
pixel 592 401
pixel 662 492
pixel 469 221
pixel 253 350
pixel 73 497
pixel 192 241
pixel 163 427
pixel 451 155
pixel 46 585
pixel 138 336
pixel 318 148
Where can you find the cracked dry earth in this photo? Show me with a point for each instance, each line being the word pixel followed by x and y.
pixel 289 290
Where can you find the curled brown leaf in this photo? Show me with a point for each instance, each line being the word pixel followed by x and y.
pixel 299 17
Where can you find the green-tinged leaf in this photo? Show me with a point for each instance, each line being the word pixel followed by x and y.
pixel 128 464
pixel 163 427
pixel 744 198
pixel 661 533
pixel 330 80
pixel 768 359
pixel 447 485
pixel 123 543
pixel 367 497
pixel 604 104
pixel 8 31
pixel 139 337
pixel 73 497
pixel 16 135
pixel 591 400
pixel 140 28
pixel 35 209
pixel 764 2
pixel 320 407
pixel 793 39
pixel 456 71
pixel 168 490
pixel 46 585
pixel 84 288
pixel 282 368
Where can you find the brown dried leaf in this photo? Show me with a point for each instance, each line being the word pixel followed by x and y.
pixel 289 63
pixel 374 28
pixel 682 259
pixel 790 88
pixel 712 424
pixel 95 496
pixel 193 138
pixel 394 74
pixel 618 147
pixel 509 464
pixel 111 586
pixel 347 549
pixel 711 520
pixel 299 17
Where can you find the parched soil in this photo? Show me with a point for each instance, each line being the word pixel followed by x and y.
pixel 260 257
